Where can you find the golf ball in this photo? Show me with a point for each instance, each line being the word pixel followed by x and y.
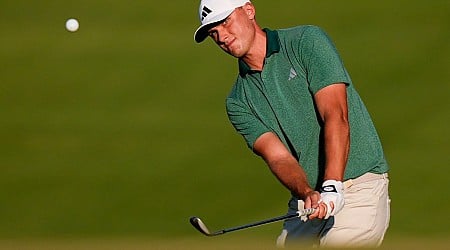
pixel 72 25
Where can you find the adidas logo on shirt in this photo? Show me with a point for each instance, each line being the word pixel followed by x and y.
pixel 292 74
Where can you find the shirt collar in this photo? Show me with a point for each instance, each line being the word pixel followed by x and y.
pixel 273 46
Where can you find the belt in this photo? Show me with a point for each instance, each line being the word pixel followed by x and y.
pixel 364 178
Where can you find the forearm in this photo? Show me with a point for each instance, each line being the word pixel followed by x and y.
pixel 291 175
pixel 282 164
pixel 337 145
pixel 331 102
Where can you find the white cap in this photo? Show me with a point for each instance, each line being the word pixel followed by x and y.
pixel 213 11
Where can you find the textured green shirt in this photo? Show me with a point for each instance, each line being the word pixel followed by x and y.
pixel 299 62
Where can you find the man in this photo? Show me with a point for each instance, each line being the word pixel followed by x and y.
pixel 296 107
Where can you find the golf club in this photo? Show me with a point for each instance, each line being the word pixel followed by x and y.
pixel 200 226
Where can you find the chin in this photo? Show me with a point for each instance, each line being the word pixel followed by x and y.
pixel 237 54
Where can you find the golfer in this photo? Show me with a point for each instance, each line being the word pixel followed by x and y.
pixel 296 107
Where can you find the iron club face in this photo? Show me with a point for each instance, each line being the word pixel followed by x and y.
pixel 201 227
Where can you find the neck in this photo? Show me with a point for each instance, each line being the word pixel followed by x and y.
pixel 256 55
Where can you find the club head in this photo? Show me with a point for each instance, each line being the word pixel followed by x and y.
pixel 200 226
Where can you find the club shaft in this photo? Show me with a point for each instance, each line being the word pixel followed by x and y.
pixel 200 226
pixel 259 223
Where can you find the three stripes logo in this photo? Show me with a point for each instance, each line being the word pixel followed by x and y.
pixel 292 74
pixel 205 12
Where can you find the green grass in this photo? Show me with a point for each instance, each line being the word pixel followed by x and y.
pixel 226 243
pixel 119 129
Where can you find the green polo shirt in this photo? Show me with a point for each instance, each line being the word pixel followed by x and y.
pixel 299 62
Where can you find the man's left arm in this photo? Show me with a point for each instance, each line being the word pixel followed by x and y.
pixel 331 102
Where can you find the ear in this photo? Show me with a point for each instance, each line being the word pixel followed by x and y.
pixel 249 9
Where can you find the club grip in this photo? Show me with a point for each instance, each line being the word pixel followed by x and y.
pixel 306 211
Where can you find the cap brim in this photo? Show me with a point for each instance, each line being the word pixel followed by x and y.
pixel 202 32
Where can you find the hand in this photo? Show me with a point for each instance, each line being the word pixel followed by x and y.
pixel 301 209
pixel 332 196
pixel 312 200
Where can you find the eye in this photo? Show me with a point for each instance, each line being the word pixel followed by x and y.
pixel 212 34
pixel 226 21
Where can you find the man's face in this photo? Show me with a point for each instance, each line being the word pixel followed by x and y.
pixel 235 34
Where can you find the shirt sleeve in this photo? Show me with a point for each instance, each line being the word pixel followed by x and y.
pixel 321 60
pixel 245 122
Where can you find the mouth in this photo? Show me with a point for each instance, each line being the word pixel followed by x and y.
pixel 228 47
pixel 228 44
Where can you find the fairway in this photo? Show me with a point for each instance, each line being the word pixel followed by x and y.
pixel 231 243
pixel 114 135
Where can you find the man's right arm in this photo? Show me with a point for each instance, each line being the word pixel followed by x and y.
pixel 286 168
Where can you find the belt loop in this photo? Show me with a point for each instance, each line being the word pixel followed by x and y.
pixel 348 183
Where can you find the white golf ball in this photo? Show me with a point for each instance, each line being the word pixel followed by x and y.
pixel 72 25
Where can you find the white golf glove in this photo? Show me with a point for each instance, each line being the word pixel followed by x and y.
pixel 332 191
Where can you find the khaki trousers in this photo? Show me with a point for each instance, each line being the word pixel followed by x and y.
pixel 361 223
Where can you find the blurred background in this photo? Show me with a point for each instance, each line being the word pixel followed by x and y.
pixel 119 129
